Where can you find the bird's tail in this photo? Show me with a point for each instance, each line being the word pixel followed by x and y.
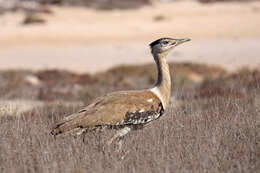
pixel 67 124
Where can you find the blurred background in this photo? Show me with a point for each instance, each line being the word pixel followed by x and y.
pixel 56 56
pixel 90 36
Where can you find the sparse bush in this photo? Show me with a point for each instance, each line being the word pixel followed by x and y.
pixel 214 131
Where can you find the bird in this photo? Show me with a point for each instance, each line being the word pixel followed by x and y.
pixel 126 110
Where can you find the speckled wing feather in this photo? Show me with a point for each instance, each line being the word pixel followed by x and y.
pixel 114 109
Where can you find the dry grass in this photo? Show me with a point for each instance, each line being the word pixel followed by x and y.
pixel 214 131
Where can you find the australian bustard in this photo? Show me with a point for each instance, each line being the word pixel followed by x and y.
pixel 126 110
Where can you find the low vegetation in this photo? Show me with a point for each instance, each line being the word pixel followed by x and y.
pixel 212 124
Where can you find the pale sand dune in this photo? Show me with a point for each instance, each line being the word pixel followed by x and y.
pixel 231 54
pixel 18 106
pixel 86 40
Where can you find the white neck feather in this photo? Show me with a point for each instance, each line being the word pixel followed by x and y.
pixel 162 88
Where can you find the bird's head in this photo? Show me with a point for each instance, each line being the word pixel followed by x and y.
pixel 164 45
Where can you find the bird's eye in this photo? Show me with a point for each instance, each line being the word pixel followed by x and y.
pixel 165 42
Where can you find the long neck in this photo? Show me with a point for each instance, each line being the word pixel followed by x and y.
pixel 163 85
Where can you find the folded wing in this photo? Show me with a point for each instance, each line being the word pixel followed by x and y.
pixel 114 109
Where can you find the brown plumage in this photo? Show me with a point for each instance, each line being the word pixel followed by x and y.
pixel 126 110
pixel 114 109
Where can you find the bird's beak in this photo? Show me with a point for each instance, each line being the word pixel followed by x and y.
pixel 180 41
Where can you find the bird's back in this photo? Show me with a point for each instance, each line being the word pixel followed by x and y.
pixel 114 109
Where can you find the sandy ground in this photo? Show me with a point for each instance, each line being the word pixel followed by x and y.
pixel 231 54
pixel 86 40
